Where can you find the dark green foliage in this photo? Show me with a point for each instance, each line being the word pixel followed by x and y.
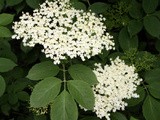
pixel 142 60
pixel 126 42
pixel 3 85
pixel 151 28
pixel 116 14
pixel 99 7
pixel 151 108
pixel 135 25
pixel 152 76
pixel 135 101
pixel 118 116
pixel 5 32
pixel 136 10
pixel 33 3
pixel 149 6
pixel 13 3
pixel 79 5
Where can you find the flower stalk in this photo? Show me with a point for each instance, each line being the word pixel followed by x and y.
pixel 64 76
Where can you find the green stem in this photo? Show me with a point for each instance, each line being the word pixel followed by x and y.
pixel 145 87
pixel 64 75
pixel 88 2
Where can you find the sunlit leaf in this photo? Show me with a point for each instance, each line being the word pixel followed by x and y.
pixel 5 32
pixel 64 108
pixel 6 18
pixel 82 72
pixel 43 70
pixel 82 92
pixel 6 64
pixel 45 91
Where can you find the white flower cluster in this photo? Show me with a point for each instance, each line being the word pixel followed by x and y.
pixel 63 31
pixel 117 82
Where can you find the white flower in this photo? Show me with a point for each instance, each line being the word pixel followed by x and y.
pixel 63 31
pixel 117 82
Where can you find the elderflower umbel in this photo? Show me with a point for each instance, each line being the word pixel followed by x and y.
pixel 63 31
pixel 117 82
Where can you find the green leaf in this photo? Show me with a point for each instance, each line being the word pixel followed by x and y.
pixel 151 108
pixel 16 73
pixel 21 84
pixel 6 64
pixel 3 85
pixel 104 55
pixel 154 89
pixel 118 116
pixel 4 45
pixel 151 24
pixel 12 98
pixel 5 32
pixel 82 93
pixel 135 101
pixel 64 108
pixel 8 54
pixel 45 92
pixel 1 4
pixel 20 7
pixel 132 118
pixel 25 49
pixel 82 72
pixel 32 56
pixel 158 45
pixel 43 70
pixel 149 6
pixel 33 3
pixel 13 2
pixel 23 96
pixel 90 118
pixel 40 117
pixel 134 27
pixel 157 14
pixel 6 19
pixel 152 76
pixel 5 109
pixel 114 55
pixel 79 6
pixel 127 42
pixel 136 10
pixel 99 7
